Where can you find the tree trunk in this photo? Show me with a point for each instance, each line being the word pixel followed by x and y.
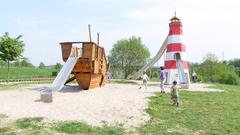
pixel 8 71
pixel 125 75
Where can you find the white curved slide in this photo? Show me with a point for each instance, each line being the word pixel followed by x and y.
pixel 66 70
pixel 182 76
pixel 153 61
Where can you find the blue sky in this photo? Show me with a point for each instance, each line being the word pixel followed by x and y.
pixel 208 26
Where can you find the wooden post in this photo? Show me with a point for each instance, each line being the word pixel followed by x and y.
pixel 97 38
pixel 89 31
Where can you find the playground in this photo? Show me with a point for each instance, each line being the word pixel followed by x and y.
pixel 148 86
pixel 113 104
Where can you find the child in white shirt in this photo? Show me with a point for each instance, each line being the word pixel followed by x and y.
pixel 145 80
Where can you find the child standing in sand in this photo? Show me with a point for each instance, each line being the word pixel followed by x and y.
pixel 145 80
pixel 174 94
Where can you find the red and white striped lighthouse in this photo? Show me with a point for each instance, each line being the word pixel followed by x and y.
pixel 176 62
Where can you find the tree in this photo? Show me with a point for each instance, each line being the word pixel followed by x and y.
pixel 126 55
pixel 212 70
pixel 10 49
pixel 26 62
pixel 58 66
pixel 210 57
pixel 2 63
pixel 236 64
pixel 41 65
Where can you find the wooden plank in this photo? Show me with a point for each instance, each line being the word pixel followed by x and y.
pixel 83 66
pixel 66 50
pixel 87 51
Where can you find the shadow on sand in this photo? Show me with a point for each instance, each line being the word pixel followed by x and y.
pixel 71 89
pixel 66 89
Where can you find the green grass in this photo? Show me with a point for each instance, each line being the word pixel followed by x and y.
pixel 36 126
pixel 74 127
pixel 199 112
pixel 24 72
pixel 122 81
pixel 6 131
pixel 34 123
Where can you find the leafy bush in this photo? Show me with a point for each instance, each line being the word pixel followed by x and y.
pixel 232 78
pixel 54 73
pixel 212 70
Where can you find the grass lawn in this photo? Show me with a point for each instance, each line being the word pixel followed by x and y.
pixel 210 113
pixel 24 72
pixel 207 113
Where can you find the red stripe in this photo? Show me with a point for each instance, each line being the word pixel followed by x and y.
pixel 176 47
pixel 171 64
pixel 175 29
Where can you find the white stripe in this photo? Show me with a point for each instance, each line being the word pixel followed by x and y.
pixel 170 56
pixel 175 39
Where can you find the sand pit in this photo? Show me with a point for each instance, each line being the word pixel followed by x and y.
pixel 113 104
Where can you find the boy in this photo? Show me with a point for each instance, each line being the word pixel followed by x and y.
pixel 162 77
pixel 174 94
pixel 145 80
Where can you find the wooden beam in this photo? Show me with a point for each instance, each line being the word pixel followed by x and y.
pixel 89 32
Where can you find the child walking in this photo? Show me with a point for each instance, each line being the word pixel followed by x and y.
pixel 175 94
pixel 145 80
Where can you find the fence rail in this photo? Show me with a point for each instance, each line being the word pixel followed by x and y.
pixel 35 79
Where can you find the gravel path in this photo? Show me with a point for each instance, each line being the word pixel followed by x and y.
pixel 113 104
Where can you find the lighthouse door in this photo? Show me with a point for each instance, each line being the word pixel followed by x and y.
pixel 180 69
pixel 177 56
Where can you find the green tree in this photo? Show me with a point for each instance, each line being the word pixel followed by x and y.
pixel 212 70
pixel 2 63
pixel 58 66
pixel 26 62
pixel 210 57
pixel 126 55
pixel 23 62
pixel 17 63
pixel 10 49
pixel 41 65
pixel 236 64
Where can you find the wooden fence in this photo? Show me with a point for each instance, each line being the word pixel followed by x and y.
pixel 34 79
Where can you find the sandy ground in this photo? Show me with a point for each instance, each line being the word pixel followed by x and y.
pixel 113 104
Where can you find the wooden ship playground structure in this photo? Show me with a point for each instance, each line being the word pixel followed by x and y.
pixel 90 71
pixel 85 61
